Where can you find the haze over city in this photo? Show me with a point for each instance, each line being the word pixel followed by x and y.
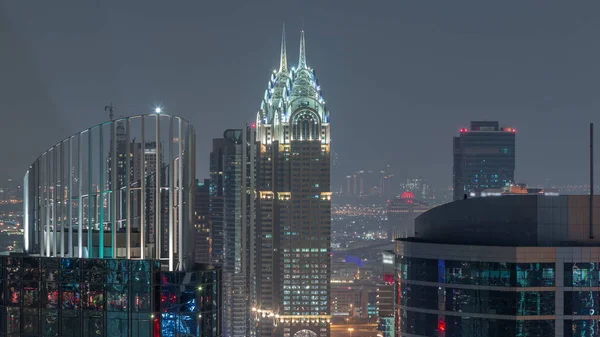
pixel 299 168
pixel 401 77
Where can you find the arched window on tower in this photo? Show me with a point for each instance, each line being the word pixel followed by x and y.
pixel 305 126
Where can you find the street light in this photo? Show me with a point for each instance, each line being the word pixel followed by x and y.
pixel 158 110
pixel 350 331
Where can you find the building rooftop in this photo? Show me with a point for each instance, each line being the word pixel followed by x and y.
pixel 512 220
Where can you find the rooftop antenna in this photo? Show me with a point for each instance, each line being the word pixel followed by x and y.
pixel 111 109
pixel 591 180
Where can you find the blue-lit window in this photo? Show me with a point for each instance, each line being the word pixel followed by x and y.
pixel 418 269
pixel 581 303
pixel 535 274
pixel 582 275
pixel 582 328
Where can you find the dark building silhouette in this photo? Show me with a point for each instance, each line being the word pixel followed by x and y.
pixel 506 266
pixel 202 224
pixel 231 216
pixel 484 158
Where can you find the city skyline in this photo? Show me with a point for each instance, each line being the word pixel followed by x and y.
pixel 425 72
pixel 192 201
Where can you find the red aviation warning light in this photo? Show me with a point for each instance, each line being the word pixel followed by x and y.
pixel 441 326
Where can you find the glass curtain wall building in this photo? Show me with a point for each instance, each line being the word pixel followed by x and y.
pixel 108 238
pixel 73 297
pixel 498 267
pixel 231 208
pixel 121 189
pixel 484 158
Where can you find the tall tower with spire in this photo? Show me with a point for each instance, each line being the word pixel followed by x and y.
pixel 293 204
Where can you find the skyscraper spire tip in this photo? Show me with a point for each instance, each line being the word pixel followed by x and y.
pixel 283 67
pixel 302 59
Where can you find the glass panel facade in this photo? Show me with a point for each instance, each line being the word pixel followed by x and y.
pixel 477 273
pixel 94 297
pixel 535 274
pixel 582 328
pixel 418 323
pixel 417 296
pixel 115 190
pixel 581 303
pixel 456 326
pixel 582 275
pixel 466 302
pixel 493 302
pixel 418 269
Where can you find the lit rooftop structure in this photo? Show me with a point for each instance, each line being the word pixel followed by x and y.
pixel 108 238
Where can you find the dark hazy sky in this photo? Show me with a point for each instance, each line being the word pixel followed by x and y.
pixel 400 77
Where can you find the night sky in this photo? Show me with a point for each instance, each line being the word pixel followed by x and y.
pixel 400 77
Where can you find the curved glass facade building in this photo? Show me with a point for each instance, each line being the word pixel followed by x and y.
pixel 108 240
pixel 121 189
pixel 504 266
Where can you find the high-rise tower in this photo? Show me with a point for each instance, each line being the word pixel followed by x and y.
pixel 231 206
pixel 293 205
pixel 484 158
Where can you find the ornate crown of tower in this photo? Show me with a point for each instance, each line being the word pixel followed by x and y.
pixel 293 107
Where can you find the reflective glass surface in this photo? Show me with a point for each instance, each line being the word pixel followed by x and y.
pixel 497 274
pixel 118 298
pixel 481 327
pixel 521 303
pixel 582 275
pixel 581 328
pixel 581 303
pixel 417 296
pixel 418 323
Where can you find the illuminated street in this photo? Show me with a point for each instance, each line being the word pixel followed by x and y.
pixel 360 330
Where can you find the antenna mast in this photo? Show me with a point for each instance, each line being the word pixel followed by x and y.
pixel 111 109
pixel 591 180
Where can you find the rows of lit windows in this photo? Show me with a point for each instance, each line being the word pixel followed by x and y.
pixel 477 273
pixel 322 292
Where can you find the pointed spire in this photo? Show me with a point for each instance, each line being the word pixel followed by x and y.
pixel 302 60
pixel 283 67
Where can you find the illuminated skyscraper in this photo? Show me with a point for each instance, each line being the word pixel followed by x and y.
pixel 293 205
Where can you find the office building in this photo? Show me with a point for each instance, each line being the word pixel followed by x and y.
pixel 293 205
pixel 401 214
pixel 386 296
pixel 202 224
pixel 232 209
pixel 484 158
pixel 516 265
pixel 89 267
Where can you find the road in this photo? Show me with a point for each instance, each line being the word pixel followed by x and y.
pixel 360 330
